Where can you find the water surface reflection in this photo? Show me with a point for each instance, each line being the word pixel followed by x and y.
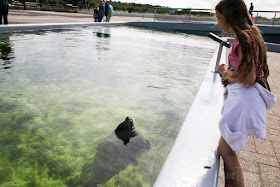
pixel 6 52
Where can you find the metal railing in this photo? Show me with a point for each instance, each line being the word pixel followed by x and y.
pixel 180 9
pixel 192 10
pixel 37 5
pixel 222 43
pixel 261 11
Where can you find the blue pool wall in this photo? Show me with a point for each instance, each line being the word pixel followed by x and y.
pixel 270 33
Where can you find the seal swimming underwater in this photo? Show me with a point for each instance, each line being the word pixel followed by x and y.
pixel 121 148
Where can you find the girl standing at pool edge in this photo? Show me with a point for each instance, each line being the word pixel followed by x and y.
pixel 244 109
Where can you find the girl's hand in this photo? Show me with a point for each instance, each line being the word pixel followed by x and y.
pixel 222 69
pixel 224 81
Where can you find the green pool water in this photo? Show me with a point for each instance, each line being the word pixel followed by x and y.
pixel 63 93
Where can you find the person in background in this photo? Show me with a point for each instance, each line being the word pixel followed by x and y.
pixel 4 9
pixel 101 10
pixel 250 10
pixel 24 5
pixel 95 15
pixel 248 98
pixel 106 9
pixel 109 11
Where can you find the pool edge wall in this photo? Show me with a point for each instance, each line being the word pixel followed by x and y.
pixel 270 33
pixel 193 159
pixel 33 27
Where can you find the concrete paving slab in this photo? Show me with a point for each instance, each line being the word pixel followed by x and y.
pixel 264 146
pixel 252 179
pixel 249 166
pixel 270 175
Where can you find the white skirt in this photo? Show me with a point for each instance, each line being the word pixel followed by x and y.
pixel 244 113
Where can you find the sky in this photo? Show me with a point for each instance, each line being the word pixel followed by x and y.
pixel 272 5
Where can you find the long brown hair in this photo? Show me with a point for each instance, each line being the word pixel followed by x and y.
pixel 237 16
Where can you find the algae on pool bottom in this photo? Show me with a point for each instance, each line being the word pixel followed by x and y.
pixel 65 92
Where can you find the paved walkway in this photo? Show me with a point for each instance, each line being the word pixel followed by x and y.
pixel 260 159
pixel 37 17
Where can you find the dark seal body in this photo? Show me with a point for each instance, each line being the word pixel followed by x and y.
pixel 121 148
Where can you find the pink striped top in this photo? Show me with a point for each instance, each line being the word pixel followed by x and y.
pixel 233 56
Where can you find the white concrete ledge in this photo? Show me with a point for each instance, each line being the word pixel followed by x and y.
pixel 33 27
pixel 193 160
pixel 272 47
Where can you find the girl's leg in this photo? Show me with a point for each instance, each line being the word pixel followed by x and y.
pixel 228 181
pixel 233 171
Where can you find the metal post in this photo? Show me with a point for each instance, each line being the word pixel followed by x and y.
pixel 256 17
pixel 219 56
pixel 190 15
pixel 155 15
pixel 274 19
pixel 141 10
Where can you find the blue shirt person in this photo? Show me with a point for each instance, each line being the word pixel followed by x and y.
pixel 101 11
